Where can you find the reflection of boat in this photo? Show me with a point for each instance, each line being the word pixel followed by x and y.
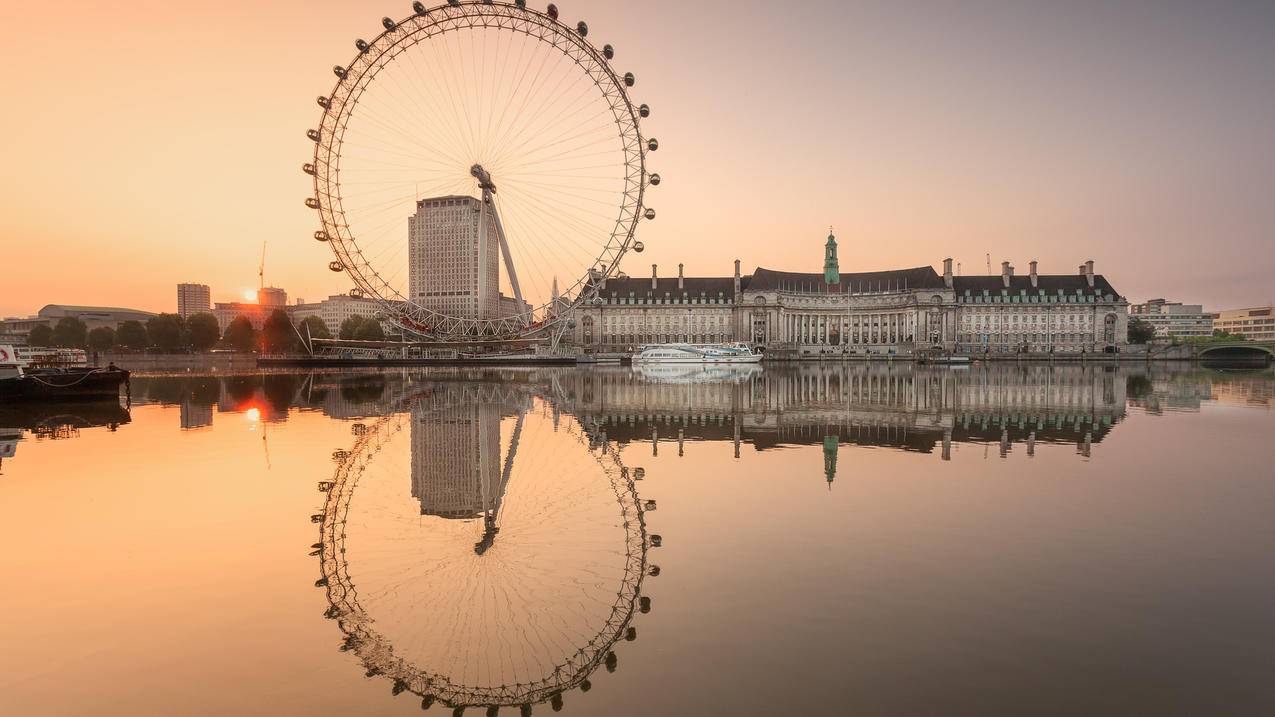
pixel 696 353
pixel 17 383
pixel 697 373
pixel 50 417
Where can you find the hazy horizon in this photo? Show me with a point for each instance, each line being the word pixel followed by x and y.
pixel 152 144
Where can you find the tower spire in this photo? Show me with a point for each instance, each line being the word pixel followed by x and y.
pixel 831 270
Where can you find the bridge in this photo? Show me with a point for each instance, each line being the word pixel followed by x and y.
pixel 1260 351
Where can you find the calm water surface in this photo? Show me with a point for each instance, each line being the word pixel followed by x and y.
pixel 806 540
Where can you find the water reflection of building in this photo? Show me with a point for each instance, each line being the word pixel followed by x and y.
pixel 457 467
pixel 195 415
pixel 908 407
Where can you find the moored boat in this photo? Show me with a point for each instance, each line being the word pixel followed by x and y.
pixel 26 384
pixel 732 353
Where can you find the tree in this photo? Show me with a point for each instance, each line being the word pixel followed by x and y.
pixel 41 335
pixel 370 330
pixel 132 334
pixel 1140 331
pixel 102 338
pixel 202 331
pixel 240 335
pixel 350 326
pixel 70 333
pixel 318 329
pixel 167 331
pixel 277 333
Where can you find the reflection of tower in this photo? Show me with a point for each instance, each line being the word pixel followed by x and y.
pixel 830 459
pixel 456 459
pixel 195 415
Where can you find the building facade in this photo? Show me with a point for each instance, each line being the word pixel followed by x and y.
pixel 450 270
pixel 1257 323
pixel 335 309
pixel 900 311
pixel 193 299
pixel 1171 318
pixel 92 316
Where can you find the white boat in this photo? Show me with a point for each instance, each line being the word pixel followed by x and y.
pixel 733 353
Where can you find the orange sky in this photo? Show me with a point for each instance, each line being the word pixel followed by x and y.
pixel 148 143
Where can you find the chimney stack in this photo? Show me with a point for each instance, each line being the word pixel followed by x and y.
pixel 1089 272
pixel 947 272
pixel 654 278
pixel 1006 272
pixel 1035 278
pixel 680 285
pixel 737 280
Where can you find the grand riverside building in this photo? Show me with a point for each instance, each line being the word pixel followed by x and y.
pixel 899 311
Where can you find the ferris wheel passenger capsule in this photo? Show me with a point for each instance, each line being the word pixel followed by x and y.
pixel 629 79
pixel 644 110
pixel 388 23
pixel 654 179
pixel 419 8
pixel 336 266
pixel 311 202
pixel 307 168
pixel 639 247
pixel 582 28
pixel 653 144
pixel 608 52
pixel 313 134
pixel 649 213
pixel 339 71
pixel 323 102
pixel 552 11
pixel 320 235
pixel 361 45
pixel 520 3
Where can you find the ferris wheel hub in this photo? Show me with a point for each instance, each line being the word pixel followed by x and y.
pixel 484 178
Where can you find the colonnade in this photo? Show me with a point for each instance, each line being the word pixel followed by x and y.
pixel 859 329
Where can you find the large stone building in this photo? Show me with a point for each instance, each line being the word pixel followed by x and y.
pixel 449 270
pixel 1171 318
pixel 335 309
pixel 92 316
pixel 900 311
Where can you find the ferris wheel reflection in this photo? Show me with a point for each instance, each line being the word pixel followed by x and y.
pixel 480 549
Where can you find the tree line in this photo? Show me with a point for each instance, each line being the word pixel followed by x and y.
pixel 171 333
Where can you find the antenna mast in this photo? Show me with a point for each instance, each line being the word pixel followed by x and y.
pixel 989 263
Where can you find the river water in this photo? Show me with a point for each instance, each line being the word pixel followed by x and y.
pixel 863 539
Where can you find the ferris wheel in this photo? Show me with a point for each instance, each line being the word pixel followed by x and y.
pixel 499 586
pixel 479 169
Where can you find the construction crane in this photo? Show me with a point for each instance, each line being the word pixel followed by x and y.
pixel 261 269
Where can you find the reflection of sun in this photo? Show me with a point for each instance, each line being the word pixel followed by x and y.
pixel 249 296
pixel 253 414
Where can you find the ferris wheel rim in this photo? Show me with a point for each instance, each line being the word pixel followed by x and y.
pixel 354 78
pixel 376 651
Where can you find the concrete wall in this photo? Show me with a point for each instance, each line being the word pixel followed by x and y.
pixel 179 362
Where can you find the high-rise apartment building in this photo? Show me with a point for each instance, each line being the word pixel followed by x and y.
pixel 449 270
pixel 193 299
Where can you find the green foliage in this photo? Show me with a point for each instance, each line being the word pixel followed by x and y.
pixel 132 334
pixel 41 335
pixel 277 333
pixel 71 333
pixel 1140 331
pixel 102 338
pixel 370 330
pixel 350 326
pixel 167 331
pixel 318 329
pixel 240 335
pixel 202 331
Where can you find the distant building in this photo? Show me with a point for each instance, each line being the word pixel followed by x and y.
pixel 193 299
pixel 335 309
pixel 1257 323
pixel 255 313
pixel 1173 318
pixel 272 296
pixel 449 270
pixel 92 316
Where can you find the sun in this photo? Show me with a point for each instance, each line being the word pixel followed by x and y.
pixel 249 296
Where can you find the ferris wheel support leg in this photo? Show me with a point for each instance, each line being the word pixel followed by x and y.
pixel 504 247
